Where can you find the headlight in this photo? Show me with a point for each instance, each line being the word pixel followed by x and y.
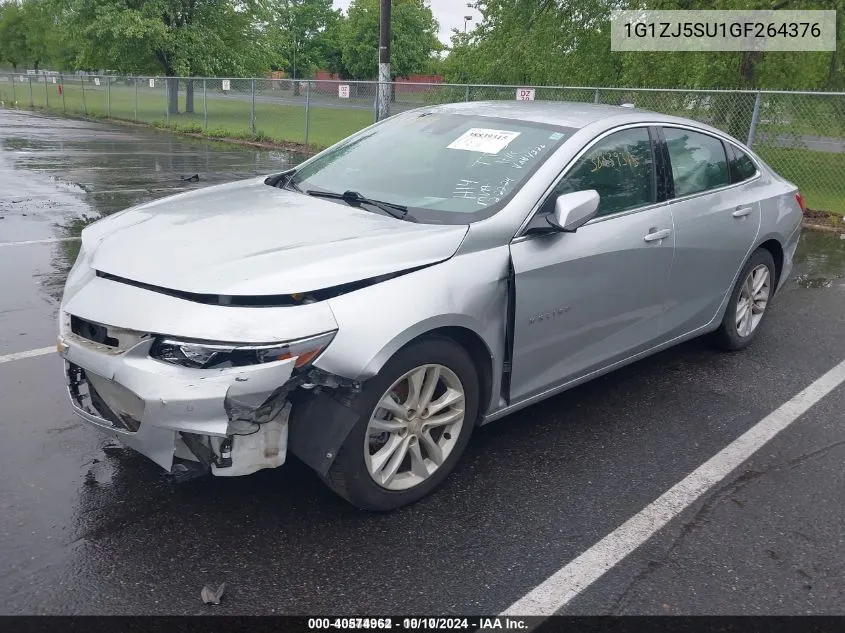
pixel 220 355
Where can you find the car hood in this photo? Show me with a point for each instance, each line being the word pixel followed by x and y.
pixel 248 238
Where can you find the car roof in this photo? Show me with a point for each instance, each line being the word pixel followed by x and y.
pixel 564 113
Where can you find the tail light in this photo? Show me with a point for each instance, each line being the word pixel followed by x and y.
pixel 800 199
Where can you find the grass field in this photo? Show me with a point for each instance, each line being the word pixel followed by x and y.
pixel 819 175
pixel 227 115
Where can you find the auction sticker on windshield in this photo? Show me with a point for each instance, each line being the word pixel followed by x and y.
pixel 483 140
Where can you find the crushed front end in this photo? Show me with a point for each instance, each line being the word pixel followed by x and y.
pixel 190 405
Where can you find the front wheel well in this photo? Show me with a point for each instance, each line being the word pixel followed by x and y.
pixel 478 351
pixel 776 250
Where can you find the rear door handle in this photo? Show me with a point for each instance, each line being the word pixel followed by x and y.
pixel 741 212
pixel 656 236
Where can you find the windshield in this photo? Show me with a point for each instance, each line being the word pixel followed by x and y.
pixel 445 168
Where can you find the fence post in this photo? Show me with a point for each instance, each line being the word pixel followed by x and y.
pixel 62 90
pixel 108 96
pixel 31 100
pixel 46 93
pixel 14 96
pixel 376 104
pixel 135 106
pixel 205 104
pixel 84 103
pixel 466 96
pixel 597 96
pixel 307 108
pixel 167 101
pixel 755 116
pixel 252 111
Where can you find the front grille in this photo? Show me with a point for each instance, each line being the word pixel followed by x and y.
pixel 92 331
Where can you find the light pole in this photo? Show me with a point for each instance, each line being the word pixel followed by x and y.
pixel 467 19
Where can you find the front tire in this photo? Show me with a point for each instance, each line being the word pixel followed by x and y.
pixel 749 302
pixel 415 420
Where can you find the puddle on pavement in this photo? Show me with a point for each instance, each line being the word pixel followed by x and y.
pixel 820 260
pixel 62 174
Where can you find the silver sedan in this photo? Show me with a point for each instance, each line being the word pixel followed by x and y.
pixel 429 274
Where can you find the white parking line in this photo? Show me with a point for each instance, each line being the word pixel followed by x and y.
pixel 28 354
pixel 565 584
pixel 49 240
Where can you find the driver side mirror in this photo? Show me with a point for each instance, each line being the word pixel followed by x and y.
pixel 574 210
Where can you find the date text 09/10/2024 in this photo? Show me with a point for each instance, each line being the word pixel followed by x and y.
pixel 419 623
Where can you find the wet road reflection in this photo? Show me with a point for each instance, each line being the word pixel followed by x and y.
pixel 820 261
pixel 59 175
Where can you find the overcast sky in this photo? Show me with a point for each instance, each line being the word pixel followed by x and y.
pixel 448 13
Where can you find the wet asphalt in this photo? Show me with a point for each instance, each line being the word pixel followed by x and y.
pixel 88 527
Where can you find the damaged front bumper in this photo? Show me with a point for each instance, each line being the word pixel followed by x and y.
pixel 229 420
pixel 233 421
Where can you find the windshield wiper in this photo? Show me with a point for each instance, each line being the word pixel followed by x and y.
pixel 289 182
pixel 355 198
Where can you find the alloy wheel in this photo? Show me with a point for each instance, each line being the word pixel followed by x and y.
pixel 753 299
pixel 414 427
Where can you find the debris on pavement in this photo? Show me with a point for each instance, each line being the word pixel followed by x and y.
pixel 212 596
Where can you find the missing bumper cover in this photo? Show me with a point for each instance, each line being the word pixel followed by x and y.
pixel 105 405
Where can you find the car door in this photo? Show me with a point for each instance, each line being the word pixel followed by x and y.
pixel 586 299
pixel 716 215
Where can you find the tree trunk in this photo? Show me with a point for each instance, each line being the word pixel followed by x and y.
pixel 833 79
pixel 172 95
pixel 741 107
pixel 189 96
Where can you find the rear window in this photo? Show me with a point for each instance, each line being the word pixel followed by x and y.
pixel 741 167
pixel 698 161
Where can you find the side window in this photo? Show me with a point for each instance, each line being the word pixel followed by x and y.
pixel 620 168
pixel 741 167
pixel 698 161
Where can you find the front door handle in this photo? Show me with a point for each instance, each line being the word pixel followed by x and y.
pixel 656 236
pixel 741 212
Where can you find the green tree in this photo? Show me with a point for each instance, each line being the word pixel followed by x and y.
pixel 413 42
pixel 13 46
pixel 175 37
pixel 329 45
pixel 538 42
pixel 301 27
pixel 567 42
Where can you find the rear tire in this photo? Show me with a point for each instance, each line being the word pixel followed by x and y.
pixel 398 454
pixel 749 302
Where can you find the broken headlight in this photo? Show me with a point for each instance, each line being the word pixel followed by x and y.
pixel 221 355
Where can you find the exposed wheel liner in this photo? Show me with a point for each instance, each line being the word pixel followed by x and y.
pixel 349 476
pixel 319 424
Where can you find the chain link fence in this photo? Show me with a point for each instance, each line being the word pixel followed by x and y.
pixel 800 134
